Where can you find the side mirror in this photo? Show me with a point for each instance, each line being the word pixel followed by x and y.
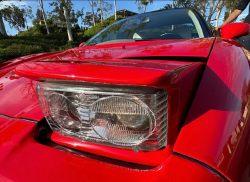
pixel 234 30
pixel 81 44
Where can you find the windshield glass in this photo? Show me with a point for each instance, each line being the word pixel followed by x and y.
pixel 168 24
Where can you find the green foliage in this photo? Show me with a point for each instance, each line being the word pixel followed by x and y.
pixel 58 13
pixel 39 14
pixel 76 26
pixel 16 15
pixel 29 43
pixel 185 3
pixel 211 26
pixel 143 3
pixel 231 5
pixel 17 50
pixel 167 6
pixel 226 15
pixel 100 26
pixel 33 31
pixel 242 19
pixel 88 20
pixel 36 39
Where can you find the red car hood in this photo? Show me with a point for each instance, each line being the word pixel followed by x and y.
pixel 18 95
pixel 170 48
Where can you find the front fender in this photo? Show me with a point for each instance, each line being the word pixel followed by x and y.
pixel 216 130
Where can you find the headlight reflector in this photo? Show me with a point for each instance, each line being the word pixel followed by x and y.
pixel 63 112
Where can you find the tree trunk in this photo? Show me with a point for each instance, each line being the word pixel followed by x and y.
pixel 44 18
pixel 93 14
pixel 217 17
pixel 220 6
pixel 145 6
pixel 68 23
pixel 211 11
pixel 2 27
pixel 100 6
pixel 214 7
pixel 115 9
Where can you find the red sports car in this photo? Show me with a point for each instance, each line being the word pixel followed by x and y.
pixel 153 97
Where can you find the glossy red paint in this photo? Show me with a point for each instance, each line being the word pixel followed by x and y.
pixel 152 158
pixel 174 76
pixel 23 159
pixel 18 97
pixel 217 128
pixel 26 94
pixel 234 30
pixel 161 48
pixel 10 65
pixel 210 92
pixel 81 44
pixel 130 72
pixel 172 48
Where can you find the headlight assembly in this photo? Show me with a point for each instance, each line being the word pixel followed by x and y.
pixel 132 118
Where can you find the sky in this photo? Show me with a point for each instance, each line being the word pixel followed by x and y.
pixel 79 4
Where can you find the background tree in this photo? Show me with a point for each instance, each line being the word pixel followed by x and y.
pixel 88 20
pixel 115 9
pixel 68 23
pixel 185 3
pixel 43 15
pixel 57 14
pixel 167 6
pixel 2 27
pixel 209 9
pixel 107 8
pixel 92 4
pixel 143 3
pixel 226 15
pixel 15 16
pixel 104 9
pixel 242 19
pixel 139 7
pixel 214 6
pixel 100 9
pixel 218 12
pixel 39 15
pixel 64 12
pixel 230 6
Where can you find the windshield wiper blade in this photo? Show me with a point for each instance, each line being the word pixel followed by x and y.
pixel 90 44
pixel 137 40
pixel 116 41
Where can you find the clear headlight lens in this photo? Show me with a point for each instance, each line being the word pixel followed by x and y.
pixel 122 121
pixel 133 118
pixel 63 112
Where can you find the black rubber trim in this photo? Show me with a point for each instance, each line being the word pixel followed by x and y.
pixel 207 27
pixel 169 58
pixel 201 163
pixel 29 120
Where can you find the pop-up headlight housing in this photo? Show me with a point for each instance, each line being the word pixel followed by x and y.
pixel 131 118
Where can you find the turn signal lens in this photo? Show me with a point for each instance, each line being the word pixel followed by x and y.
pixel 132 118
